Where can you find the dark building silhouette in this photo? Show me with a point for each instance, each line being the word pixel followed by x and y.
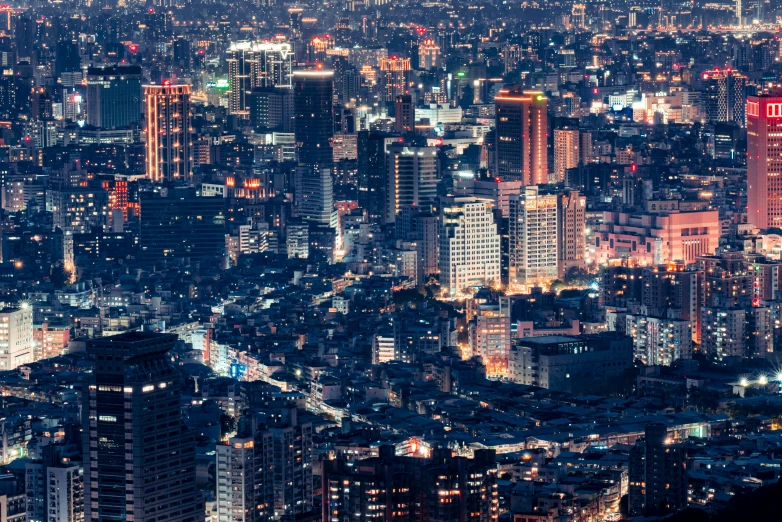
pixel 657 474
pixel 139 458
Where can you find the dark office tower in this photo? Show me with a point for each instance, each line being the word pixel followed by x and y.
pixel 764 164
pixel 113 96
pixel 66 58
pixel 169 143
pixel 404 113
pixel 314 128
pixel 25 36
pixel 372 184
pixel 657 474
pixel 139 458
pixel 522 136
pixel 182 52
pixel 182 225
pixel 271 108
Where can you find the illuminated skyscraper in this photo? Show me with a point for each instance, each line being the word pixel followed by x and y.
pixel 256 64
pixel 522 123
pixel 764 164
pixel 169 146
pixel 428 55
pixel 314 125
pixel 395 76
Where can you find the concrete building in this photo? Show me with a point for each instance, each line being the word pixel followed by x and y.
pixel 659 341
pixel 16 337
pixel 567 152
pixel 55 493
pixel 570 363
pixel 469 245
pixel 657 475
pixel 490 338
pixel 571 231
pixel 653 239
pixel 533 238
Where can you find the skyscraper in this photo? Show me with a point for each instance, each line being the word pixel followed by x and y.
pixel 571 231
pixel 566 152
pixel 404 113
pixel 764 164
pixel 522 123
pixel 723 96
pixel 169 144
pixel 139 459
pixel 372 184
pixel 113 96
pixel 428 55
pixel 469 244
pixel 412 178
pixel 395 77
pixel 314 130
pixel 256 64
pixel 533 237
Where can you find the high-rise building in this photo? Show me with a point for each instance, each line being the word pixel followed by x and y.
pixel 271 108
pixel 66 57
pixel 412 178
pixel 113 96
pixel 169 141
pixel 55 492
pixel 139 458
pixel 428 55
pixel 567 154
pixel 571 231
pixel 182 225
pixel 314 129
pixel 490 338
pixel 469 244
pixel 265 472
pixel 533 238
pixel 522 130
pixel 404 114
pixel 657 475
pixel 764 164
pixel 723 96
pixel 395 77
pixel 659 341
pixel 389 487
pixel 256 64
pixel 372 180
pixel 16 337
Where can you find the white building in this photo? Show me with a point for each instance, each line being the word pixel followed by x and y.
pixel 533 238
pixel 469 244
pixel 437 114
pixel 16 337
pixel 382 348
pixel 54 493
